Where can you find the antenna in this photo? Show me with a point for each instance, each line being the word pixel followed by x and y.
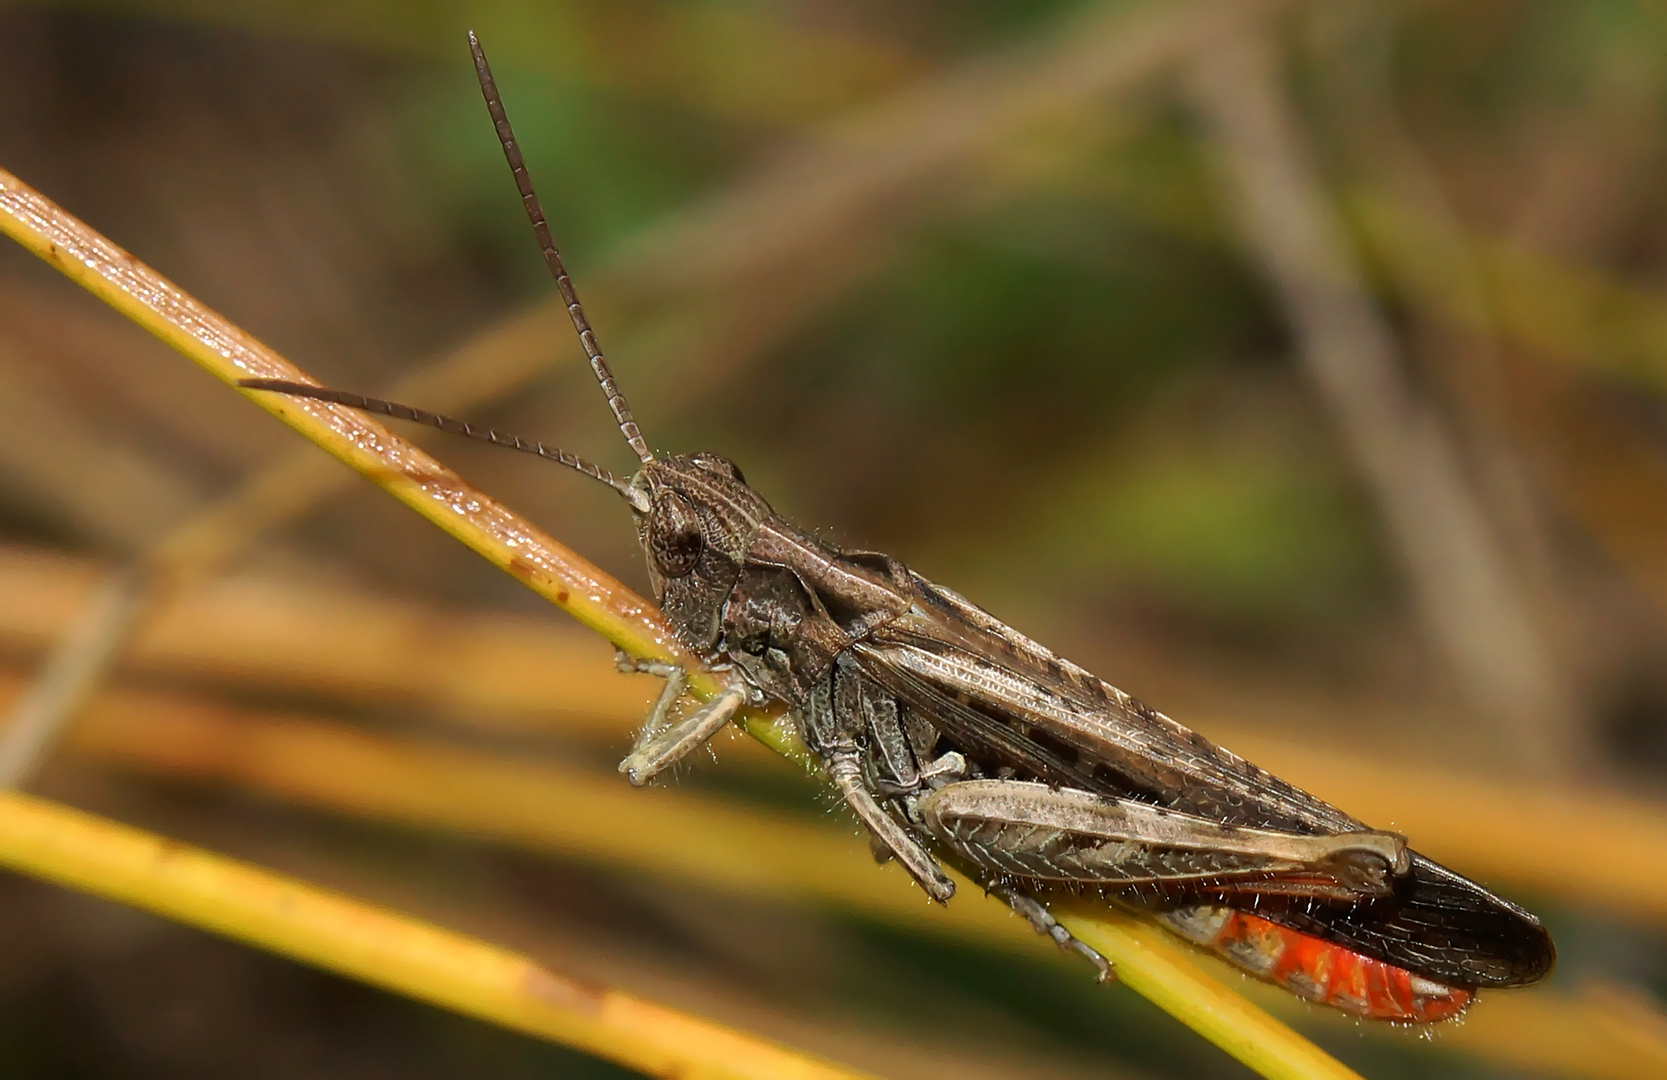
pixel 450 426
pixel 552 257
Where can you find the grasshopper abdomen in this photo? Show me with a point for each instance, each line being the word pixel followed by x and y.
pixel 1317 970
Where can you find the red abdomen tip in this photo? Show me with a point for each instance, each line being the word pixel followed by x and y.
pixel 1317 970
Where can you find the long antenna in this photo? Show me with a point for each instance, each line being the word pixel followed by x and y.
pixel 552 257
pixel 448 425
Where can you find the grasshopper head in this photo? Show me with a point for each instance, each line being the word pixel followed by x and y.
pixel 696 517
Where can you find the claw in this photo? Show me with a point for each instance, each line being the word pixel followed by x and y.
pixel 1036 913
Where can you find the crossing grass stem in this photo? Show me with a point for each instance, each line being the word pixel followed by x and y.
pixel 1147 961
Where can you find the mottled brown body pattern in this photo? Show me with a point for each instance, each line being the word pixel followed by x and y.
pixel 957 740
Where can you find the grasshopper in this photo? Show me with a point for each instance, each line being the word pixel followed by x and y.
pixel 955 740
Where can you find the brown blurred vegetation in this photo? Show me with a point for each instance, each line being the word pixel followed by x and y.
pixel 1297 367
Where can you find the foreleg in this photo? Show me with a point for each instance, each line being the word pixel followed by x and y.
pixel 677 680
pixel 659 745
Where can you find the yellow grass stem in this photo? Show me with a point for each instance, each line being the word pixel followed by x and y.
pixel 401 469
pixel 548 807
pixel 716 843
pixel 550 569
pixel 1228 1019
pixel 393 951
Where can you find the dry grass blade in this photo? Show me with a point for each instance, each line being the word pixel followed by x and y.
pixel 1458 571
pixel 1600 1031
pixel 707 841
pixel 503 358
pixel 384 949
pixel 509 672
pixel 524 675
pixel 560 575
pixel 797 232
pixel 409 474
pixel 121 508
pixel 71 676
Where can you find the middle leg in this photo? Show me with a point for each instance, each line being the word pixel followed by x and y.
pixel 884 831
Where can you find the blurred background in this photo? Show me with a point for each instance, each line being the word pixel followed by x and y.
pixel 1300 368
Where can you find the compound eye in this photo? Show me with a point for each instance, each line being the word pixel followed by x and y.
pixel 674 538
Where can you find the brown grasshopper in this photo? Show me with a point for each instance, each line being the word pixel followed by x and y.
pixel 957 740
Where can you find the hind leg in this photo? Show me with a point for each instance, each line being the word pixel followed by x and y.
pixel 1036 913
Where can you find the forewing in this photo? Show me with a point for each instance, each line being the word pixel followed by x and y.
pixel 1437 923
pixel 1001 695
pixel 991 687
